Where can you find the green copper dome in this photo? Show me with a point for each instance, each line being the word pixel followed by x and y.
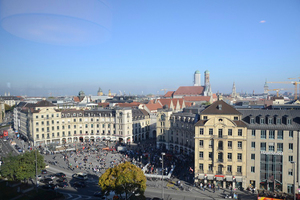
pixel 197 72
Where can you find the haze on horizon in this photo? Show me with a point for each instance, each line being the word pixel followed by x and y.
pixel 59 48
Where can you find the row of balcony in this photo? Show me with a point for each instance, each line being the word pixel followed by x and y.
pixel 221 172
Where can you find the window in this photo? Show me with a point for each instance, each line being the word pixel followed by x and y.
pixel 69 126
pixel 211 143
pixel 201 131
pixel 43 136
pixel 210 167
pixel 252 169
pixel 210 155
pixel 280 147
pixel 270 121
pixel 263 134
pixel 291 159
pixel 57 127
pixel 229 156
pixel 220 133
pixel 253 145
pixel 204 117
pixel 262 120
pixel 230 132
pixel 252 121
pixel 57 134
pixel 271 134
pixel 262 146
pixel 37 118
pixel 201 143
pixel 252 156
pixel 240 132
pixel 239 157
pixel 240 146
pixel 271 147
pixel 229 144
pixel 201 167
pixel 37 136
pixel 239 169
pixel 290 146
pixel 253 133
pixel 201 155
pixel 280 135
pixel 37 130
pixel 289 121
pixel 290 172
pixel 52 134
pixel 211 131
pixel 235 118
pixel 278 121
pixel 291 134
pixel 229 168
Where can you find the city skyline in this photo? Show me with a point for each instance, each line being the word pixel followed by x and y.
pixel 143 47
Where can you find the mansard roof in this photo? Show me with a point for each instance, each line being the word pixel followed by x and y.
pixel 220 108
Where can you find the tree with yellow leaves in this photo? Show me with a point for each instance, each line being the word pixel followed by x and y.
pixel 123 178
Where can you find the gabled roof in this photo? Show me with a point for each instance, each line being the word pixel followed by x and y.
pixel 174 102
pixel 153 106
pixel 196 98
pixel 189 90
pixel 44 103
pixel 220 108
pixel 76 99
pixel 169 94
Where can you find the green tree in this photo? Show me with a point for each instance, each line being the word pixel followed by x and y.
pixel 22 167
pixel 123 178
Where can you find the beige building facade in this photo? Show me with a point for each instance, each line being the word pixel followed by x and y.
pixel 44 124
pixel 220 146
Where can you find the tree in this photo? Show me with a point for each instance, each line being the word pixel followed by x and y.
pixel 22 167
pixel 123 178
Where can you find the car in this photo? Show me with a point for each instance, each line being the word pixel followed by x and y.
pixel 79 184
pixel 49 186
pixel 44 171
pixel 39 177
pixel 63 184
pixel 80 176
pixel 47 181
pixel 60 174
pixel 49 176
pixel 20 150
pixel 61 180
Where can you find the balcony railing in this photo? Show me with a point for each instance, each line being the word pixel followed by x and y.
pixel 220 160
pixel 219 172
pixel 220 148
pixel 239 173
pixel 228 173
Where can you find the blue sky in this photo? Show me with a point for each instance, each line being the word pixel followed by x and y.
pixel 144 46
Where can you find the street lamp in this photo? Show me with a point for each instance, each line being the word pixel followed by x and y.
pixel 162 173
pixel 294 173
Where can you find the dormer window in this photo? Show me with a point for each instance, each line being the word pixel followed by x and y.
pixel 278 120
pixel 204 117
pixel 252 121
pixel 236 118
pixel 262 120
pixel 270 121
pixel 289 121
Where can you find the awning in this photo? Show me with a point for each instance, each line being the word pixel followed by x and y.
pixel 219 178
pixel 228 178
pixel 210 177
pixel 201 176
pixel 239 179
